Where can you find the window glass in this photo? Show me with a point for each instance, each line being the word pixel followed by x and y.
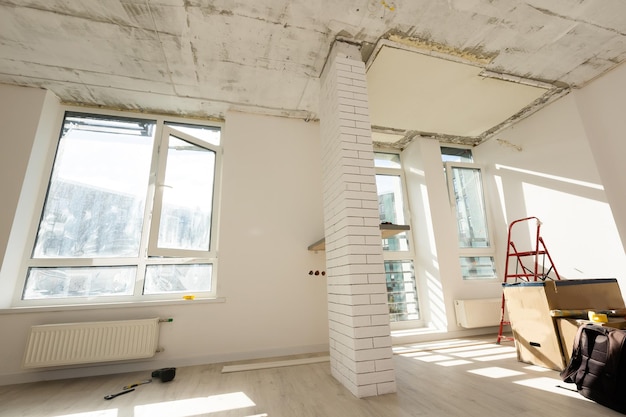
pixel 449 154
pixel 62 282
pixel 187 197
pixel 470 207
pixel 476 253
pixel 390 201
pixel 391 209
pixel 397 253
pixel 208 134
pixel 94 234
pixel 401 291
pixel 478 267
pixel 387 160
pixel 187 278
pixel 97 193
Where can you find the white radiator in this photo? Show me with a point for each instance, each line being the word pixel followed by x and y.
pixel 482 312
pixel 80 343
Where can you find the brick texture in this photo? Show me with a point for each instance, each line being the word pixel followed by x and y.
pixel 360 341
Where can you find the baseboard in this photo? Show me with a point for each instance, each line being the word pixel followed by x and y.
pixel 274 364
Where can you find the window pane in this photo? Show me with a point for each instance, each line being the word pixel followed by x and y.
pixel 386 160
pixel 208 134
pixel 390 204
pixel 391 209
pixel 187 197
pixel 79 282
pixel 97 206
pixel 401 291
pixel 399 242
pixel 161 279
pixel 478 267
pixel 96 196
pixel 471 214
pixel 456 154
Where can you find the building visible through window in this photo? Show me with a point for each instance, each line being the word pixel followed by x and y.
pixel 465 188
pixel 127 213
pixel 397 252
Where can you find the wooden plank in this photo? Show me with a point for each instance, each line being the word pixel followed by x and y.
pixel 386 230
pixel 319 245
pixel 276 364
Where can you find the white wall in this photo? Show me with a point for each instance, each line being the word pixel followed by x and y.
pixel 21 111
pixel 554 177
pixel 602 108
pixel 270 211
pixel 437 267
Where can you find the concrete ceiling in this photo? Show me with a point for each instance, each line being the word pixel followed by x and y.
pixel 201 58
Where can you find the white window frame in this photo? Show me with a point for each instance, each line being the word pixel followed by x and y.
pixel 148 255
pixel 400 256
pixel 488 251
pixel 153 249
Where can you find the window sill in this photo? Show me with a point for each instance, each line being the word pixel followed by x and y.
pixel 102 306
pixel 387 230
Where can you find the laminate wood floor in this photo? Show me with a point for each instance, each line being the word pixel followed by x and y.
pixel 463 377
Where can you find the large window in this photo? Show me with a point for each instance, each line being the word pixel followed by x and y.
pixel 129 213
pixel 397 251
pixel 476 254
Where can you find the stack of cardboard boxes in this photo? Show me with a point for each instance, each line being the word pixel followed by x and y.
pixel 545 315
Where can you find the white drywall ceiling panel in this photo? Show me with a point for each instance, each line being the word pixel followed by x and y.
pixel 413 91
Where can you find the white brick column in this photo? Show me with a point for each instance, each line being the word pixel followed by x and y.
pixel 360 341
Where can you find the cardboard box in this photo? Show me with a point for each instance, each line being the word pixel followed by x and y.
pixel 537 337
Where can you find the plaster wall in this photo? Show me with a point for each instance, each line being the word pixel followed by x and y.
pixel 601 108
pixel 21 110
pixel 270 212
pixel 544 167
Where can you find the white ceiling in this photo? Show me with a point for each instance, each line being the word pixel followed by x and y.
pixel 414 92
pixel 201 58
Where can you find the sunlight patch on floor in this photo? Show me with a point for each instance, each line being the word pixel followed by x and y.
pixel 512 355
pixel 415 354
pixel 195 406
pixel 495 372
pixel 489 351
pixel 99 413
pixel 457 362
pixel 536 368
pixel 475 354
pixel 432 358
pixel 464 348
pixel 552 385
pixel 452 343
pixel 458 352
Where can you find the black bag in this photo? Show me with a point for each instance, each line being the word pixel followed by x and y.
pixel 598 365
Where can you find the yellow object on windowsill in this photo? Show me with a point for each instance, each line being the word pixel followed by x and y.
pixel 189 297
pixel 598 317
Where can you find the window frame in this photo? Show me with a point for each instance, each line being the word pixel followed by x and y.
pixel 153 249
pixel 146 256
pixel 470 252
pixel 402 256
